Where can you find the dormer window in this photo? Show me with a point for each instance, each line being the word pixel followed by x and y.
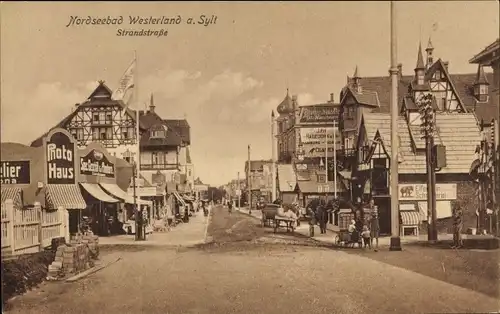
pixel 420 77
pixel 437 75
pixel 158 132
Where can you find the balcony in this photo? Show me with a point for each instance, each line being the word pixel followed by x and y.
pixel 166 166
pixel 101 123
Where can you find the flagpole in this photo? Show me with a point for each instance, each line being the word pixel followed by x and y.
pixel 138 160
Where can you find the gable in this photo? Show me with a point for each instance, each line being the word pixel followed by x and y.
pixel 442 86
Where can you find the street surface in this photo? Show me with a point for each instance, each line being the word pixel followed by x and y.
pixel 248 269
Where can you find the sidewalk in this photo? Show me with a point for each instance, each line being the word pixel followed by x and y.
pixel 329 237
pixel 185 234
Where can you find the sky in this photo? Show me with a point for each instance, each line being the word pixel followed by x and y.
pixel 226 77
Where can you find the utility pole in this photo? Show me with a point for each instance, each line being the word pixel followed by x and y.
pixel 136 210
pixel 249 187
pixel 427 128
pixel 395 239
pixel 273 139
pixel 238 190
pixel 335 157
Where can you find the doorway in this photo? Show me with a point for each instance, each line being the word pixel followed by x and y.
pixel 384 211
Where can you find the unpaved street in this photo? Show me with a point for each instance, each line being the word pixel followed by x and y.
pixel 247 269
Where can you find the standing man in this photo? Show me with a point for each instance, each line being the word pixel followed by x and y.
pixel 457 227
pixel 374 223
pixel 322 216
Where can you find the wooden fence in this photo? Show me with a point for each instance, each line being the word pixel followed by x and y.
pixel 29 230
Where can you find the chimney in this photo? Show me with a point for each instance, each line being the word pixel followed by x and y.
pixel 400 71
pixel 446 63
pixel 331 97
pixel 151 104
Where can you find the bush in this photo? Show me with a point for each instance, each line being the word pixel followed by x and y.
pixel 24 272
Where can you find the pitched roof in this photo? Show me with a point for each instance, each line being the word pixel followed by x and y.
pixel 458 132
pixel 257 165
pixel 286 178
pixel 463 84
pixel 101 96
pixel 181 126
pixel 172 138
pixel 420 59
pixel 480 77
pixel 487 53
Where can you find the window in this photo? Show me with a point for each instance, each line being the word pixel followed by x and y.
pixel 73 133
pixel 124 132
pixel 440 100
pixel 95 133
pixel 347 143
pixel 483 89
pixel 155 158
pixel 102 117
pixel 95 117
pixel 109 117
pixel 102 134
pixel 109 133
pixel 79 134
pixel 437 75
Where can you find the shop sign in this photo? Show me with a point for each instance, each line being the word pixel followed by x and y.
pixel 313 141
pixel 319 114
pixel 60 159
pixel 15 172
pixel 411 192
pixel 95 163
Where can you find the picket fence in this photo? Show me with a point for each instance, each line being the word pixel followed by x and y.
pixel 30 230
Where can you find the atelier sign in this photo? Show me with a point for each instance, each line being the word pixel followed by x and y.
pixel 95 163
pixel 60 159
pixel 15 172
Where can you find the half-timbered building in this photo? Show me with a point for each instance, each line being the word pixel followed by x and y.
pixel 458 100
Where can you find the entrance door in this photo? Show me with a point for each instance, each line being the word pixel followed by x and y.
pixel 384 213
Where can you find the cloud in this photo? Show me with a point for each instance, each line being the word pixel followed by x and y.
pixel 29 115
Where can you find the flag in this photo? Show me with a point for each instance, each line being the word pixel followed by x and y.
pixel 126 82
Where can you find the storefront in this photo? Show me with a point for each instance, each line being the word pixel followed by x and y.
pixel 45 174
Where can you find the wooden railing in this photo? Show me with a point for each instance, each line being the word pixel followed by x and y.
pixel 29 230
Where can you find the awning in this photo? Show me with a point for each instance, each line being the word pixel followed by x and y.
pixel 11 193
pixel 410 218
pixel 67 196
pixel 117 192
pixel 98 193
pixel 179 198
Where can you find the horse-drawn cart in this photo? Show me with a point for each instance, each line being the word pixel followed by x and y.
pixel 271 217
pixel 284 222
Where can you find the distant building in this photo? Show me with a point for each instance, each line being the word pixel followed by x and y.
pixel 259 180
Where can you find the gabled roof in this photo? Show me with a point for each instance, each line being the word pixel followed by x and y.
pixel 101 96
pixel 480 77
pixel 458 132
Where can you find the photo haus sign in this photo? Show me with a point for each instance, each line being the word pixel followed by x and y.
pixel 95 163
pixel 60 159
pixel 15 172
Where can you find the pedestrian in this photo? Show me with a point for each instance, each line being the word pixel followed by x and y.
pixel 312 219
pixel 374 225
pixel 366 237
pixel 322 216
pixel 230 207
pixel 457 227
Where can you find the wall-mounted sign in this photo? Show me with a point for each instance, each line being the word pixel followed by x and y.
pixel 411 192
pixel 318 114
pixel 15 172
pixel 313 141
pixel 60 159
pixel 95 163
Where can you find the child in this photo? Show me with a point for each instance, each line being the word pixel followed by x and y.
pixel 366 236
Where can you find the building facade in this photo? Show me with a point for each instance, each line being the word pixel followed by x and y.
pixel 365 127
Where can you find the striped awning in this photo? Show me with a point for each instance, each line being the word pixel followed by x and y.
pixel 11 193
pixel 67 196
pixel 410 218
pixel 117 192
pixel 179 198
pixel 98 193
